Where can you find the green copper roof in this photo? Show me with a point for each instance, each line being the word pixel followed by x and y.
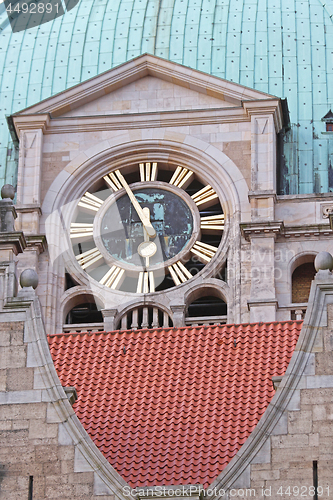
pixel 283 47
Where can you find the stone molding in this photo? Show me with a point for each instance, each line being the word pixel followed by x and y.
pixel 145 65
pixel 146 120
pixel 14 241
pixel 277 228
pixel 36 242
pixel 26 209
pixel 266 107
pixel 299 375
pixel 260 229
pixel 31 122
pixel 262 302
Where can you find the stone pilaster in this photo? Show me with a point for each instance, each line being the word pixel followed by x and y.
pixel 178 315
pixel 109 316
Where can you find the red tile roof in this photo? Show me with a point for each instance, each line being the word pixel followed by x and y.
pixel 173 406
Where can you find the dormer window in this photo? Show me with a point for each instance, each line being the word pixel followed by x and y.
pixel 328 119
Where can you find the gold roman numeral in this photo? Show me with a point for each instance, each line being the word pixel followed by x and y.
pixel 148 172
pixel 112 181
pixel 179 273
pixel 203 251
pixel 91 202
pixel 181 177
pixel 87 259
pixel 146 282
pixel 113 278
pixel 215 222
pixel 80 230
pixel 205 195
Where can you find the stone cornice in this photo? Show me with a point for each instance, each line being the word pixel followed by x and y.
pixel 307 231
pixel 14 241
pixel 262 194
pixel 156 119
pixel 31 122
pixel 262 302
pixel 266 107
pixel 25 209
pixel 259 229
pixel 36 242
pixel 277 228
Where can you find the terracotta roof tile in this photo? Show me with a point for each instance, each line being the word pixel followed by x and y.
pixel 179 403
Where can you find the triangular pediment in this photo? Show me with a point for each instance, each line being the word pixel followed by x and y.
pixel 158 84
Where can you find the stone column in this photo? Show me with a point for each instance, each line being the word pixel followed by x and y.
pixel 109 316
pixel 178 315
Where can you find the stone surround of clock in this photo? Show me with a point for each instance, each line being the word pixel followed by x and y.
pixel 149 110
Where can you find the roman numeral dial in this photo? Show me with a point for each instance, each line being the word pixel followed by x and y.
pixel 146 227
pixel 204 196
pixel 212 222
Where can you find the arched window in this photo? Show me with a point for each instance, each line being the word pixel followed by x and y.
pixel 301 282
pixel 83 314
pixel 207 307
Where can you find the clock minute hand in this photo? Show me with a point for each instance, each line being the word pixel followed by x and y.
pixel 145 221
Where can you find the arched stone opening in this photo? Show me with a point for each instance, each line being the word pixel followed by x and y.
pixel 301 280
pixel 83 311
pixel 206 305
pixel 144 316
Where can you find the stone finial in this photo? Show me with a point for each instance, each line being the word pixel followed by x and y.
pixel 29 278
pixel 7 191
pixel 323 261
pixel 7 209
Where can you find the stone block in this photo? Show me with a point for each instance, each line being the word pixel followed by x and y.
pixel 59 491
pixel 264 475
pixel 319 412
pixel 39 487
pixel 300 422
pixel 13 357
pixel 16 455
pixel 38 429
pixel 81 478
pixel 296 454
pixel 14 438
pixel 4 339
pixel 324 363
pixel 52 468
pixel 20 424
pixel 317 397
pixel 290 441
pixel 67 467
pixel 27 411
pixel 66 452
pixel 46 454
pixel 3 380
pixel 20 379
pixel 5 425
pixel 83 489
pixel 103 497
pixel 16 337
pixel 323 427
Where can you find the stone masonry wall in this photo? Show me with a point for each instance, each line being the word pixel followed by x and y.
pixel 290 452
pixel 309 436
pixel 43 447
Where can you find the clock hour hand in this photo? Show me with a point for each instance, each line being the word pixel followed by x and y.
pixel 145 220
pixel 147 248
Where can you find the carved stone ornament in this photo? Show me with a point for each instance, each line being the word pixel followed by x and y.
pixel 326 211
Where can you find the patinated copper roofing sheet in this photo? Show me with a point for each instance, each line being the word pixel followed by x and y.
pixel 173 406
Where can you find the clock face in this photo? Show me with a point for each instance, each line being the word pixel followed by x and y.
pixel 143 229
